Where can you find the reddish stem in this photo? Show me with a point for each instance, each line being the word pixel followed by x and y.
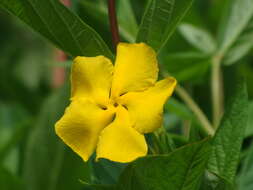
pixel 59 73
pixel 113 22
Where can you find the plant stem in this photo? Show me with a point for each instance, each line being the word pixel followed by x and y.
pixel 113 22
pixel 217 90
pixel 182 93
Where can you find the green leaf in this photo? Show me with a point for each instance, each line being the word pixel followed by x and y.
pixel 8 181
pixel 72 169
pixel 88 186
pixel 249 128
pixel 212 182
pixel 155 21
pixel 180 170
pixel 162 142
pixel 187 65
pixel 14 126
pixel 199 38
pixel 58 24
pixel 237 15
pixel 178 108
pixel 160 19
pixel 241 47
pixel 106 172
pixel 16 136
pixel 47 164
pixel 127 22
pixel 97 11
pixel 245 178
pixel 31 61
pixel 196 131
pixel 12 119
pixel 229 136
pixel 223 185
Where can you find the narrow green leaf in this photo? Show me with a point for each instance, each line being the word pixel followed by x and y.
pixel 180 170
pixel 223 185
pixel 9 182
pixel 155 21
pixel 196 131
pixel 44 153
pixel 161 142
pixel 98 12
pixel 249 129
pixel 106 172
pixel 88 186
pixel 127 22
pixel 14 126
pixel 15 138
pixel 178 108
pixel 46 162
pixel 71 171
pixel 245 178
pixel 213 182
pixel 241 47
pixel 187 66
pixel 228 138
pixel 31 60
pixel 238 14
pixel 160 20
pixel 58 24
pixel 199 38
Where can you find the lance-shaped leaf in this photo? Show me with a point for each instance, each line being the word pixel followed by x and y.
pixel 228 138
pixel 97 12
pixel 180 170
pixel 160 20
pixel 88 186
pixel 199 38
pixel 249 129
pixel 59 25
pixel 237 15
pixel 245 178
pixel 47 164
pixel 187 66
pixel 241 47
pixel 8 181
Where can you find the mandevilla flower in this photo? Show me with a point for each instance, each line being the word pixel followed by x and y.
pixel 112 107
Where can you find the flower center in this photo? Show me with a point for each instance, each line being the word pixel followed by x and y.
pixel 113 103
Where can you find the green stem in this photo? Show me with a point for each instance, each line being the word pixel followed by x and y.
pixel 217 90
pixel 182 93
pixel 187 128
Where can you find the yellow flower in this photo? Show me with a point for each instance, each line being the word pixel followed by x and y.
pixel 113 106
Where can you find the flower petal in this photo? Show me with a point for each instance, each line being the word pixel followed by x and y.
pixel 120 142
pixel 81 124
pixel 136 68
pixel 91 78
pixel 146 108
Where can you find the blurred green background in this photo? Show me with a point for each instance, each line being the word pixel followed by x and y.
pixel 34 90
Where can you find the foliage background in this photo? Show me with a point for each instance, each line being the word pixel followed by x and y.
pixel 32 157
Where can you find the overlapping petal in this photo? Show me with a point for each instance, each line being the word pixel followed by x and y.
pixel 119 141
pixel 136 68
pixel 81 125
pixel 91 78
pixel 112 107
pixel 146 108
